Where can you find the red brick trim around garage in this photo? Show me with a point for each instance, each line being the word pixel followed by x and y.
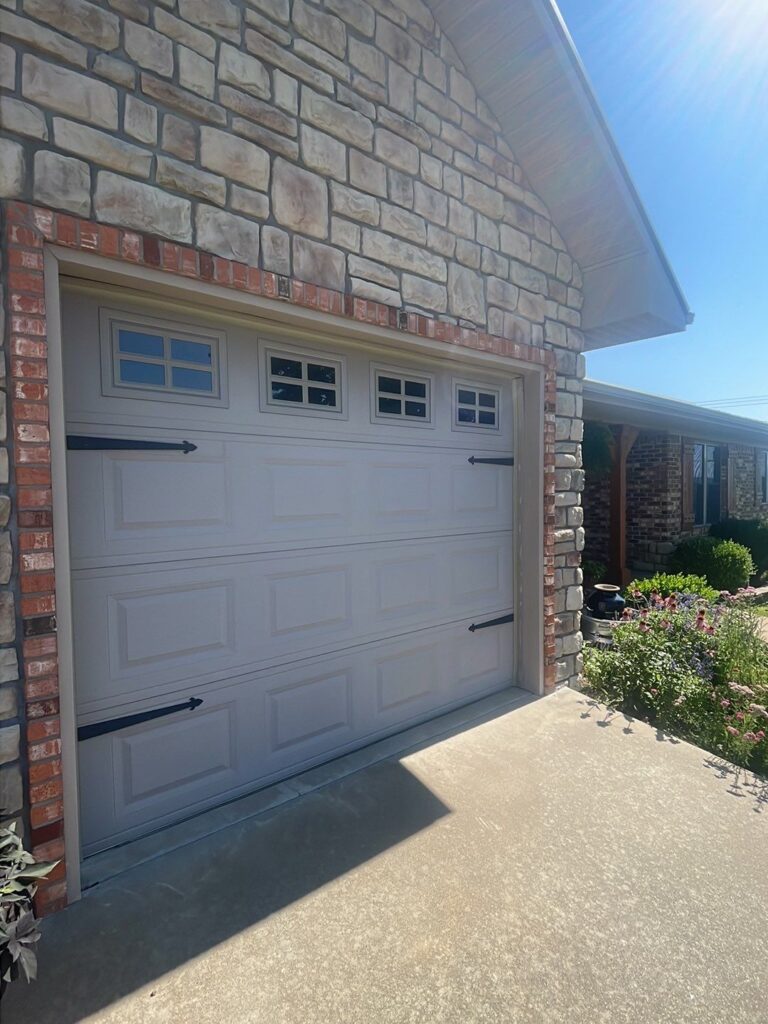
pixel 26 231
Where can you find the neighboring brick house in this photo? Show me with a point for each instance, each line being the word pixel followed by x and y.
pixel 684 468
pixel 275 273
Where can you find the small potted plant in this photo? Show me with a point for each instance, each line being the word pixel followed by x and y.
pixel 19 876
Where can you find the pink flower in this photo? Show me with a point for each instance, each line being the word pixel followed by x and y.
pixel 745 690
pixel 750 737
pixel 725 703
pixel 760 734
pixel 654 692
pixel 740 716
pixel 731 730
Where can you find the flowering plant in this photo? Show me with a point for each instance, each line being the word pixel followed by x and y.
pixel 694 668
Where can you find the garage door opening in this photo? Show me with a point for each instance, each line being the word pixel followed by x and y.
pixel 282 548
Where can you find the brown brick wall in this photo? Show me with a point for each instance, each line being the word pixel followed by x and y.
pixel 655 516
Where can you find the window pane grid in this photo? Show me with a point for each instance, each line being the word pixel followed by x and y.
pixel 401 398
pixel 706 484
pixel 476 407
pixel 149 360
pixel 303 382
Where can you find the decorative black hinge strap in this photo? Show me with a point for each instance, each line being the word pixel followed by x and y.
pixel 491 462
pixel 87 732
pixel 491 622
pixel 85 443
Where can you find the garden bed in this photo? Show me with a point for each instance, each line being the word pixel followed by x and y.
pixel 696 669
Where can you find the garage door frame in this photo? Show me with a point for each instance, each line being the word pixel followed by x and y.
pixel 153 282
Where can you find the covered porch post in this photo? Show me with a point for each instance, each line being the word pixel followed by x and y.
pixel 624 438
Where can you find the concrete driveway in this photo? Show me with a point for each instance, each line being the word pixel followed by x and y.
pixel 552 864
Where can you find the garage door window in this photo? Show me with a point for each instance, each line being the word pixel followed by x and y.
pixel 400 396
pixel 297 381
pixel 475 406
pixel 172 362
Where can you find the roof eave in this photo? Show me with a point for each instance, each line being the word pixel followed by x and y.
pixel 524 64
pixel 608 403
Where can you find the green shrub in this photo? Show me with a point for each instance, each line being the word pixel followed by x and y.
pixel 597 450
pixel 752 533
pixel 724 564
pixel 700 673
pixel 593 570
pixel 665 584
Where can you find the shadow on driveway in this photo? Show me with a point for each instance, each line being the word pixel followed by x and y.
pixel 134 929
pixel 742 783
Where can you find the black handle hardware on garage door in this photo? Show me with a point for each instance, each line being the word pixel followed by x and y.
pixel 491 622
pixel 491 462
pixel 86 443
pixel 87 732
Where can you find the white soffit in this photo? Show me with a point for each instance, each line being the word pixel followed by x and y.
pixel 523 63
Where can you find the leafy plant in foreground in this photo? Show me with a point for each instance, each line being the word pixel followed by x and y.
pixel 19 876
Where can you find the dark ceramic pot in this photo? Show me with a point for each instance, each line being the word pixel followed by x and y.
pixel 606 602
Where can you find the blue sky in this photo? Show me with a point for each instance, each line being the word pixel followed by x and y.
pixel 684 86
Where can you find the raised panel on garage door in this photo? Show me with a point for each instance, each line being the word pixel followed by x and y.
pixel 244 495
pixel 311 579
pixel 149 631
pixel 266 725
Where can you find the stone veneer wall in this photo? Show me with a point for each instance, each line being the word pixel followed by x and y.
pixel 338 144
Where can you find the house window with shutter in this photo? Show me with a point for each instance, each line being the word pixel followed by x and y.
pixel 706 484
pixel 762 477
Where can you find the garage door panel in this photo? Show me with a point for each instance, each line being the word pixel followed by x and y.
pixel 184 621
pixel 302 600
pixel 143 775
pixel 144 632
pixel 405 583
pixel 160 494
pixel 317 708
pixel 410 677
pixel 233 497
pixel 484 660
pixel 171 754
pixel 269 722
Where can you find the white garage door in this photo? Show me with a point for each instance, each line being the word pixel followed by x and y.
pixel 309 572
